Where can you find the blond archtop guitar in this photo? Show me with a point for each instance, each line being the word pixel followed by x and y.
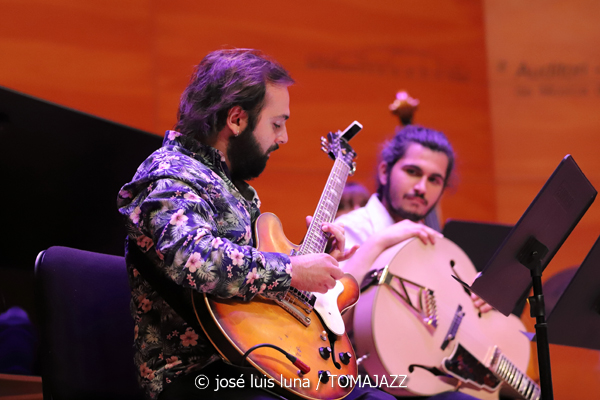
pixel 417 322
pixel 298 342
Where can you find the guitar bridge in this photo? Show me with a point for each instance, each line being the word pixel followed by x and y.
pixel 290 308
pixel 299 304
pixel 456 321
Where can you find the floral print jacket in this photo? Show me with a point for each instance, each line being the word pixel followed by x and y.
pixel 191 222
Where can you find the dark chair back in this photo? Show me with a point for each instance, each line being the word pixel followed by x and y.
pixel 86 329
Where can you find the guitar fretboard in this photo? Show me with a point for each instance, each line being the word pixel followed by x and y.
pixel 518 380
pixel 316 240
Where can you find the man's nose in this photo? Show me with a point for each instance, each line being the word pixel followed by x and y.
pixel 282 138
pixel 421 185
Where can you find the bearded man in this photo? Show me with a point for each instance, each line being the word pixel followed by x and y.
pixel 189 212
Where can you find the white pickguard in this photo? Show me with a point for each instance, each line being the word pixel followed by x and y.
pixel 326 306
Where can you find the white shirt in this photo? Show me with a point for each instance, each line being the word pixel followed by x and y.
pixel 362 223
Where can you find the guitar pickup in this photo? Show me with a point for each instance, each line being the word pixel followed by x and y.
pixel 306 299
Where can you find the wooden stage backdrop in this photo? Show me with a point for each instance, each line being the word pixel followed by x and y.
pixel 128 61
pixel 544 72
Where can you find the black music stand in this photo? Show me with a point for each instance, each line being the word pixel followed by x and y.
pixel 575 319
pixel 480 240
pixel 532 243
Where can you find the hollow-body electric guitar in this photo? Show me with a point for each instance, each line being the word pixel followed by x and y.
pixel 319 361
pixel 417 322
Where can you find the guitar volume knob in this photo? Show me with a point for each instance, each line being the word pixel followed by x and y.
pixel 345 358
pixel 325 352
pixel 344 381
pixel 324 376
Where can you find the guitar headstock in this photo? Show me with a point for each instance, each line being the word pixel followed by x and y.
pixel 336 145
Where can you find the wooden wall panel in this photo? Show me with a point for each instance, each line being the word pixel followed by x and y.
pixel 544 69
pixel 129 61
pixel 348 58
pixel 91 56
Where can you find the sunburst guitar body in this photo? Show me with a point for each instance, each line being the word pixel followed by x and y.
pixel 307 326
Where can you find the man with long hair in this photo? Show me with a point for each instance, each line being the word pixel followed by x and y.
pixel 414 171
pixel 415 168
pixel 189 212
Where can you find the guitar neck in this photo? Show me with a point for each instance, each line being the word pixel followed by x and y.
pixel 315 240
pixel 515 378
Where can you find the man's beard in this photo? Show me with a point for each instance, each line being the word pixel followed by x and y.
pixel 400 213
pixel 246 157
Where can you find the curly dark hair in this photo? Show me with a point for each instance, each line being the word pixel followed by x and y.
pixel 225 79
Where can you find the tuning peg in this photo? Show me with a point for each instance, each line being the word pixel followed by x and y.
pixel 325 146
pixel 352 169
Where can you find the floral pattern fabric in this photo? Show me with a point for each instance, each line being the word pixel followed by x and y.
pixel 194 224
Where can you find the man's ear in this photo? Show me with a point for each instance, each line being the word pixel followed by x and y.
pixel 382 173
pixel 237 120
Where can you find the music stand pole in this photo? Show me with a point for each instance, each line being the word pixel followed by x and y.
pixel 530 256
